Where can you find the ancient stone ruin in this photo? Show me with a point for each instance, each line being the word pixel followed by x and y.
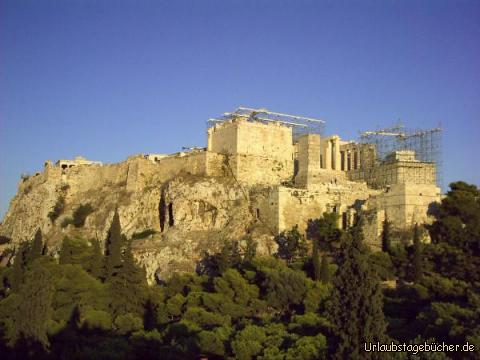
pixel 260 173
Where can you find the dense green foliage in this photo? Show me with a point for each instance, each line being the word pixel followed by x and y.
pixel 320 297
pixel 356 304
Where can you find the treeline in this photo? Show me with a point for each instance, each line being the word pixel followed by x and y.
pixel 322 296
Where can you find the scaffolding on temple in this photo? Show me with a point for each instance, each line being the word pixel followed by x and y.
pixel 300 124
pixel 425 143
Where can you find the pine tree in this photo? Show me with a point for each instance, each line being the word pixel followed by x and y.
pixel 35 306
pixel 386 236
pixel 324 272
pixel 113 259
pixel 356 307
pixel 37 247
pixel 417 254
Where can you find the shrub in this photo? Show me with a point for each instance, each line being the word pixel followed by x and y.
pixel 4 239
pixel 57 209
pixel 80 215
pixel 97 319
pixel 65 222
pixel 128 323
pixel 143 234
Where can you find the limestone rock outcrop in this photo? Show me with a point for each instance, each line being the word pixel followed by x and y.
pixel 185 215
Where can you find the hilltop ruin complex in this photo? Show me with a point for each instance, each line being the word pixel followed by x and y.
pixel 260 173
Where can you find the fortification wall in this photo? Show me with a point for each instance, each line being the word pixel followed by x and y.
pixel 141 170
pixel 406 204
pixel 401 172
pixel 372 229
pixel 297 206
pixel 252 169
pixel 222 138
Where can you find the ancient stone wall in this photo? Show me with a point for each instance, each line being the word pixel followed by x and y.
pixel 308 157
pixel 406 204
pixel 372 229
pixel 258 153
pixel 297 206
pixel 399 172
pixel 222 138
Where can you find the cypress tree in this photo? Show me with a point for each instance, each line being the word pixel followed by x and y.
pixel 37 247
pixel 128 287
pixel 386 236
pixel 35 306
pixel 356 307
pixel 317 267
pixel 324 273
pixel 291 245
pixel 19 265
pixel 113 259
pixel 96 264
pixel 66 251
pixel 250 249
pixel 149 316
pixel 417 254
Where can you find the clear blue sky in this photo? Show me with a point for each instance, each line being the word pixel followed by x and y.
pixel 107 79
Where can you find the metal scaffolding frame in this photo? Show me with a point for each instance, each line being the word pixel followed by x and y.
pixel 300 124
pixel 427 144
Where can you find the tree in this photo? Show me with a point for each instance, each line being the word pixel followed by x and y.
pixel 73 251
pixel 37 247
pixel 324 272
pixel 386 236
pixel 316 262
pixel 96 261
pixel 325 231
pixel 128 287
pixel 356 305
pixel 458 218
pixel 19 267
pixel 250 249
pixel 57 209
pixel 228 257
pixel 417 254
pixel 113 260
pixel 35 306
pixel 291 245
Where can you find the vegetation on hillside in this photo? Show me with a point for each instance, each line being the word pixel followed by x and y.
pixel 320 297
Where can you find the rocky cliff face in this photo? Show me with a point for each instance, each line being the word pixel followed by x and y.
pixel 184 214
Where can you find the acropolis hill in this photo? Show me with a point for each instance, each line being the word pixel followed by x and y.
pixel 261 173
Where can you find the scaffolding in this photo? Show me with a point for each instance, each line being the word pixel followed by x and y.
pixel 425 143
pixel 300 124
